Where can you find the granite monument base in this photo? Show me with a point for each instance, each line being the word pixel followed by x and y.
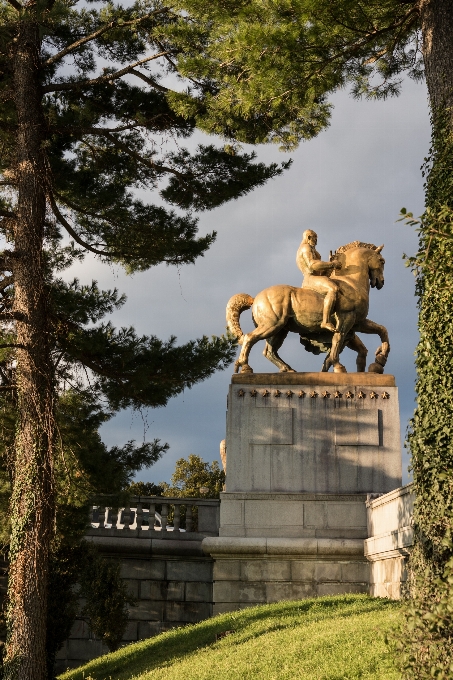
pixel 304 451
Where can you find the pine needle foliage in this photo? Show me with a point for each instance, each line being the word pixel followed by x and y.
pixel 274 64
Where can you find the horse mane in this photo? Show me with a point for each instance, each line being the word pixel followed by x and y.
pixel 356 244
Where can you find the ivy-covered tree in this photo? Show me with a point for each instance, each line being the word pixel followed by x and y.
pixel 94 111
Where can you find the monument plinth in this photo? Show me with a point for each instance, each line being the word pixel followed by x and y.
pixel 303 452
pixel 313 433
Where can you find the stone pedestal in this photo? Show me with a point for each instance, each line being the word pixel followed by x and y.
pixel 303 452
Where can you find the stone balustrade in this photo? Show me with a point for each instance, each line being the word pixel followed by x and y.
pixel 141 518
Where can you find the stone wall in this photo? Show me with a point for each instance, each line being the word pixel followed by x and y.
pixel 165 571
pixel 250 571
pixel 344 544
pixel 293 515
pixel 390 537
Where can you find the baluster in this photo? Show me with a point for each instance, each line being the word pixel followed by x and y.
pixel 126 517
pixel 114 517
pixel 152 516
pixel 101 514
pixel 139 516
pixel 188 518
pixel 177 518
pixel 164 516
pixel 92 516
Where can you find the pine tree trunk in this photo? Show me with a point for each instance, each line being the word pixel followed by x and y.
pixel 437 28
pixel 32 511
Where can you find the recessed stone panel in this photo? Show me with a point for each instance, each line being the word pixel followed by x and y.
pixel 357 427
pixel 271 425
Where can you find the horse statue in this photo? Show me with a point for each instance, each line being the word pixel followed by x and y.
pixel 280 309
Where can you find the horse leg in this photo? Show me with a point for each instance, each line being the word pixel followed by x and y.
pixel 357 345
pixel 334 355
pixel 250 339
pixel 273 344
pixel 327 362
pixel 338 341
pixel 368 326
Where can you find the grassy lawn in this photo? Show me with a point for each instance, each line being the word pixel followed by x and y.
pixel 321 639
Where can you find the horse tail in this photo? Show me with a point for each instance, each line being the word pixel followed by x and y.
pixel 236 305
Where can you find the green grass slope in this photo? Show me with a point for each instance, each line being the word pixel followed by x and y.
pixel 321 639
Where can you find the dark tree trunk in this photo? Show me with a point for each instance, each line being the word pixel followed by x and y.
pixel 32 510
pixel 437 28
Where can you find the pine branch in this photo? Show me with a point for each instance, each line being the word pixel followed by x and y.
pixel 8 214
pixel 150 81
pixel 75 235
pixel 352 49
pixel 175 68
pixel 77 208
pixel 16 5
pixel 59 87
pixel 7 281
pixel 144 161
pixel 96 34
pixel 376 31
pixel 12 316
pixel 7 258
pixel 72 231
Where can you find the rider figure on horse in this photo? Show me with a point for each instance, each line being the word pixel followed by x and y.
pixel 316 275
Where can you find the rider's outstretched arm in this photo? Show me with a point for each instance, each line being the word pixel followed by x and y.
pixel 320 266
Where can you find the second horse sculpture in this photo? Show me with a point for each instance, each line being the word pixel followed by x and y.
pixel 280 309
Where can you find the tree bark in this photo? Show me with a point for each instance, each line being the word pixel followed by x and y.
pixel 32 505
pixel 437 29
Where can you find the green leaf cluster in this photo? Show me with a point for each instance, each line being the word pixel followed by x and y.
pixel 192 474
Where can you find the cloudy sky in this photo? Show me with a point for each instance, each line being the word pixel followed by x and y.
pixel 347 184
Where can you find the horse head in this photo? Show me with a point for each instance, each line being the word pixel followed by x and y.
pixel 376 268
pixel 359 257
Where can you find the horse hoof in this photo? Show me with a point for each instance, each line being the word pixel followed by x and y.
pixel 339 368
pixel 375 368
pixel 287 370
pixel 246 369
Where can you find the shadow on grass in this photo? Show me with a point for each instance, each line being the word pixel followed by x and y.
pixel 167 648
